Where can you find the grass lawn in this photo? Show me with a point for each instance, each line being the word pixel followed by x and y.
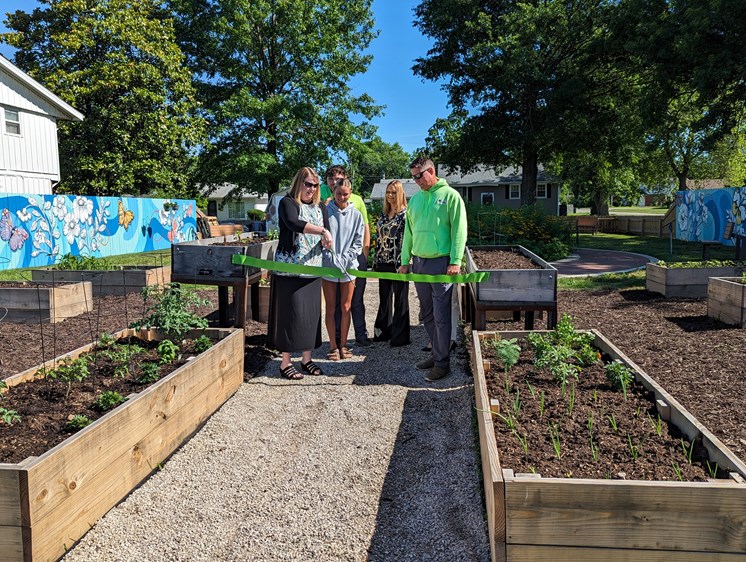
pixel 649 245
pixel 638 210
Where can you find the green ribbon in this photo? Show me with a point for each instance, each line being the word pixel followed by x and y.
pixel 338 274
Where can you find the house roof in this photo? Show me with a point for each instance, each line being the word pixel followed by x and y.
pixel 487 175
pixel 67 111
pixel 483 176
pixel 222 190
pixel 379 189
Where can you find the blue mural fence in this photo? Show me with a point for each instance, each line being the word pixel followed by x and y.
pixel 701 214
pixel 37 230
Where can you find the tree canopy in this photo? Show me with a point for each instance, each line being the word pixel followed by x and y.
pixel 117 62
pixel 272 78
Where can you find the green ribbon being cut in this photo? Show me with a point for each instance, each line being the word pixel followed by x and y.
pixel 339 274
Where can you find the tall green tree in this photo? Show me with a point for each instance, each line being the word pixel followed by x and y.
pixel 272 78
pixel 117 62
pixel 518 73
pixel 373 160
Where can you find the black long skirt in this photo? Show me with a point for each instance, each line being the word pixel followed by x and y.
pixel 294 323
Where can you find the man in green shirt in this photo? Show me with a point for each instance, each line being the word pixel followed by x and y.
pixel 434 242
pixel 332 175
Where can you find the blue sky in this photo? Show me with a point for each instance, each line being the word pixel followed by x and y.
pixel 411 105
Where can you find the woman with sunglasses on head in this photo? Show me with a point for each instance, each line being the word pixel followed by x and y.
pixel 347 228
pixel 392 322
pixel 295 299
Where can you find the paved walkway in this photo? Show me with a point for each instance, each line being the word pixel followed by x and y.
pixel 584 261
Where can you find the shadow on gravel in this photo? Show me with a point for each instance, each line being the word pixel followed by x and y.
pixel 431 502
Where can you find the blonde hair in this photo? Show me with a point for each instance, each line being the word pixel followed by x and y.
pixel 297 186
pixel 401 202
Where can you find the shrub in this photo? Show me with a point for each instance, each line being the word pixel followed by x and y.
pixel 75 263
pixel 256 215
pixel 546 235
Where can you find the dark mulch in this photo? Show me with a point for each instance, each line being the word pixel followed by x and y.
pixel 487 260
pixel 23 346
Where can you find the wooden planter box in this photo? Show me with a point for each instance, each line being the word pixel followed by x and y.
pixel 112 282
pixel 204 261
pixel 516 290
pixel 688 282
pixel 726 300
pixel 533 518
pixel 45 304
pixel 49 502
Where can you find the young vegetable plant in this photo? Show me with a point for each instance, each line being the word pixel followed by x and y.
pixel 150 373
pixel 169 310
pixel 168 351
pixel 202 344
pixel 9 417
pixel 507 352
pixel 618 376
pixel 77 422
pixel 108 400
pixel 70 371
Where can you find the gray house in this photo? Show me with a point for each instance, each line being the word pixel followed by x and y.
pixel 487 187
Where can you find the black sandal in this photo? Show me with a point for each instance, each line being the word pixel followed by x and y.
pixel 311 368
pixel 291 373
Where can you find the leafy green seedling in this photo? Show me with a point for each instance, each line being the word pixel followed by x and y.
pixel 150 373
pixel 618 376
pixel 77 422
pixel 168 351
pixel 108 400
pixel 9 417
pixel 202 343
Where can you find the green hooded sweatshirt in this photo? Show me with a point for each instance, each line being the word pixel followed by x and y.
pixel 436 225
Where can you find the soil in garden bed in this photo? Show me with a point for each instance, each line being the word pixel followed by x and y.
pixel 501 259
pixel 23 346
pixel 242 242
pixel 45 405
pixel 571 433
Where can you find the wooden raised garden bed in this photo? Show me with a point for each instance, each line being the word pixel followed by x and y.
pixel 531 517
pixel 208 262
pixel 528 290
pixel 37 303
pixel 109 282
pixel 726 300
pixel 687 282
pixel 49 502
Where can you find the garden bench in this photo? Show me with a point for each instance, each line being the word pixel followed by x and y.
pixel 727 235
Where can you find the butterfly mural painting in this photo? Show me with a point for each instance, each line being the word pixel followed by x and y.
pixel 125 216
pixel 14 235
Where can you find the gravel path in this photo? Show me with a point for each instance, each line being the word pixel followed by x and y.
pixel 368 462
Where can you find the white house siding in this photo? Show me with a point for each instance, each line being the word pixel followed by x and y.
pixel 11 183
pixel 34 151
pixel 29 162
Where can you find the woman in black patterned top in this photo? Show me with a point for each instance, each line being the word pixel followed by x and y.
pixel 392 322
pixel 295 299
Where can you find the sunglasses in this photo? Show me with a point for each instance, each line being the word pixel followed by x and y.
pixel 416 177
pixel 310 184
